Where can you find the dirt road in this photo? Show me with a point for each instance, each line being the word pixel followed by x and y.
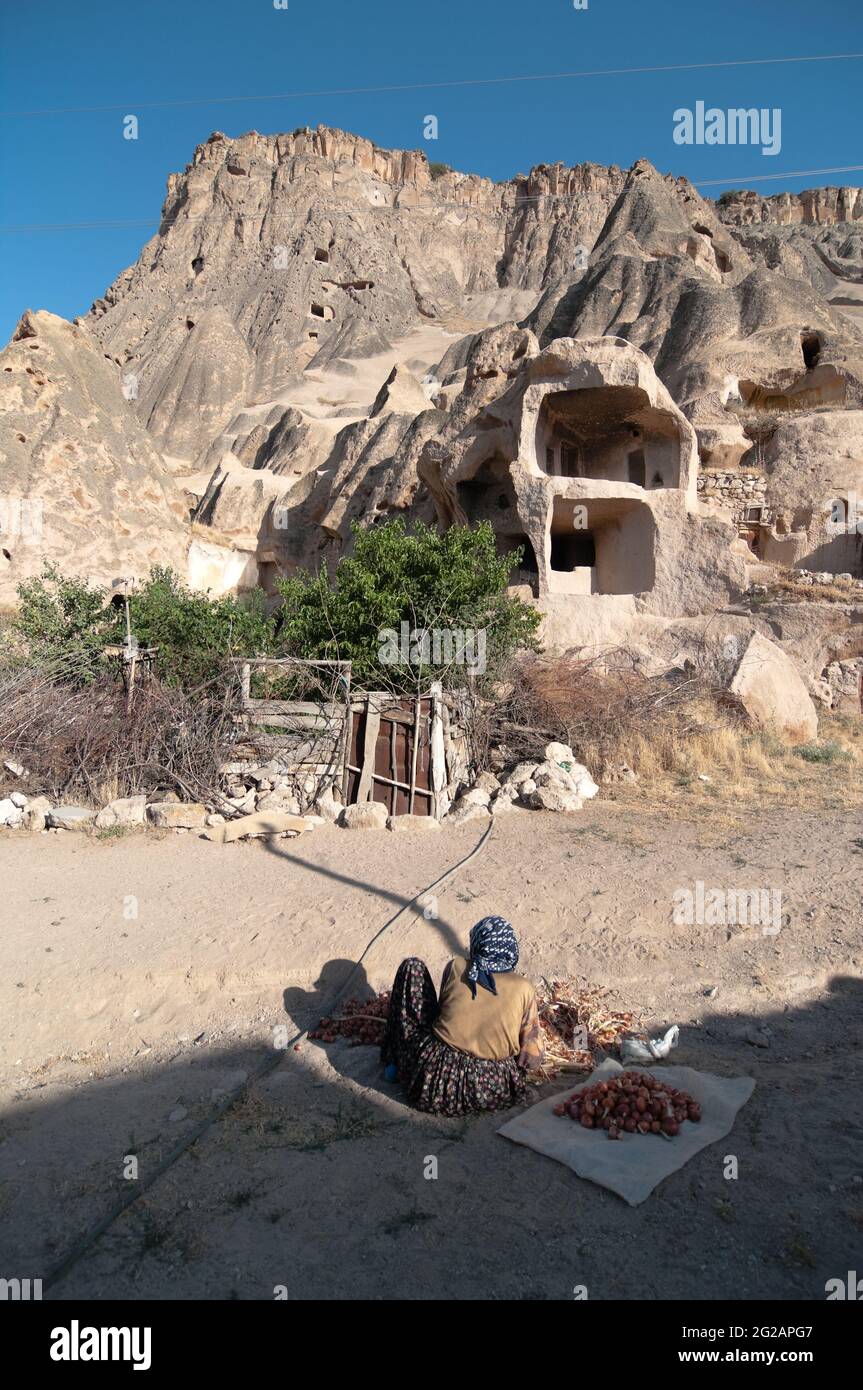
pixel 143 977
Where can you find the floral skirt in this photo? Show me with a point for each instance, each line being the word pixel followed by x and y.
pixel 438 1078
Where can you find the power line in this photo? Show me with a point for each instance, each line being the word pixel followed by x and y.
pixel 346 209
pixel 435 86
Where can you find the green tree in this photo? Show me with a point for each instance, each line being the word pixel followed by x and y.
pixel 440 585
pixel 63 622
pixel 196 635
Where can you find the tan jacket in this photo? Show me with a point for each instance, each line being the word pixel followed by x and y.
pixel 490 1025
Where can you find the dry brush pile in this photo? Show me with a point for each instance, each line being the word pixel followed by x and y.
pixel 87 741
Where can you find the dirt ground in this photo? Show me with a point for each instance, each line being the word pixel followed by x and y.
pixel 144 977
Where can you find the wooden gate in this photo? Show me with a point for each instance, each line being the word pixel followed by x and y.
pixel 390 754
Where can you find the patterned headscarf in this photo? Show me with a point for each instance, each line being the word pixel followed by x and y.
pixel 492 947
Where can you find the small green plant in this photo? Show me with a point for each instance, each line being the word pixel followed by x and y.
pixel 437 170
pixel 829 752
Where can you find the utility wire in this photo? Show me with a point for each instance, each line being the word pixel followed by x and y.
pixel 437 86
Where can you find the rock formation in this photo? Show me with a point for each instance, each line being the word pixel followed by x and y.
pixel 653 396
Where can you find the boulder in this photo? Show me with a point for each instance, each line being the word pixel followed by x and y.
pixel 553 797
pixel 487 782
pixel 520 773
pixel 768 686
pixel 364 815
pixel 278 801
pixel 464 811
pixel 10 814
pixel 399 824
pixel 128 810
pixel 327 807
pixel 476 796
pixel 70 817
pixel 36 814
pixel 18 799
pixel 177 815
pixel 559 753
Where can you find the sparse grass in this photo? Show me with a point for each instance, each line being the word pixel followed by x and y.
pixel 113 832
pixel 840 591
pixel 276 1127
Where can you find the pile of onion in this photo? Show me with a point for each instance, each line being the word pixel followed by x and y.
pixel 631 1103
pixel 361 1020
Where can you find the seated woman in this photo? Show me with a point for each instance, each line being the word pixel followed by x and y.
pixel 470 1050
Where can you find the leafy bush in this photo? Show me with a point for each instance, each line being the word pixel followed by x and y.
pixel 437 170
pixel 195 634
pixel 434 584
pixel 63 620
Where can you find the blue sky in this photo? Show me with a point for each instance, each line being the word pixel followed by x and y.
pixel 75 167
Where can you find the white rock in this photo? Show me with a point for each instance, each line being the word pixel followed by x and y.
pixel 466 811
pixel 36 814
pixel 527 788
pixel 365 815
pixel 215 819
pixel 555 798
pixel 172 815
pixel 520 773
pixel 18 799
pixel 127 810
pixel 70 817
pixel 17 769
pixel 10 814
pixel 486 781
pixel 477 796
pixel 558 753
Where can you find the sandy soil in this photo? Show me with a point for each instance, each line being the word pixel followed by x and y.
pixel 144 977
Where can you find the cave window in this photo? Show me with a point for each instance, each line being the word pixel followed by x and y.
pixel 313 334
pixel 7 554
pixel 503 502
pixel 198 264
pixel 322 255
pixel 810 345
pixel 318 311
pixel 755 514
pixel 635 466
pixel 576 550
pixel 656 480
pixel 570 459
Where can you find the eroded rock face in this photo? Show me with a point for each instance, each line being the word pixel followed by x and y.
pixel 277 253
pixel 81 482
pixel 324 332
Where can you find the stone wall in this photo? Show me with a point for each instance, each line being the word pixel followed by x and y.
pixel 736 490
